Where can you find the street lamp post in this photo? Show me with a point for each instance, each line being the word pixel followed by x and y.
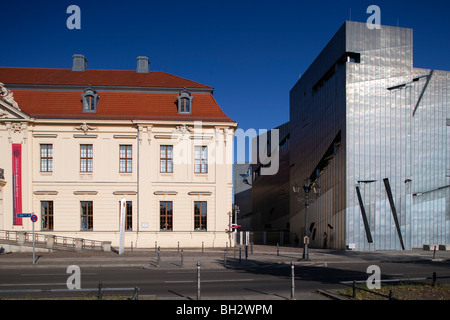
pixel 307 189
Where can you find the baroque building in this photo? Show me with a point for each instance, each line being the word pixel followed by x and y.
pixel 75 142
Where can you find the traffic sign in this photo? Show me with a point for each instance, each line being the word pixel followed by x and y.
pixel 24 215
pixel 235 226
pixel 34 218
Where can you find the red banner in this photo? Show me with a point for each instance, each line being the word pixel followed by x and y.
pixel 17 182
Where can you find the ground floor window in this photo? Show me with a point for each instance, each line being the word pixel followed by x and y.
pixel 128 216
pixel 87 216
pixel 165 215
pixel 200 215
pixel 47 215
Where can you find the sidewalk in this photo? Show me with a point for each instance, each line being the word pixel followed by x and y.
pixel 211 258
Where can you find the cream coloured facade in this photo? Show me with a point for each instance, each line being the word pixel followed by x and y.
pixel 74 172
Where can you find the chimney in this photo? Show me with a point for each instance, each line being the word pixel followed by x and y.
pixel 79 62
pixel 142 65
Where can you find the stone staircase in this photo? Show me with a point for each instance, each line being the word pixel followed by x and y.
pixel 21 240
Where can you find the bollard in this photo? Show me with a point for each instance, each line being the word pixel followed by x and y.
pixel 251 248
pixel 198 281
pixel 278 250
pixel 158 259
pixel 292 281
pixel 225 258
pixel 156 246
pixel 434 280
pixel 240 250
pixel 202 247
pixel 234 252
pixel 354 289
pixel 131 246
pixel 391 295
pixel 178 249
pixel 246 253
pixel 135 294
pixel 182 258
pixel 100 287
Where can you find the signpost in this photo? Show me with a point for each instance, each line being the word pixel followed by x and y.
pixel 34 219
pixel 24 215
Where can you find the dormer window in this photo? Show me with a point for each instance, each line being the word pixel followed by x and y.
pixel 185 102
pixel 90 100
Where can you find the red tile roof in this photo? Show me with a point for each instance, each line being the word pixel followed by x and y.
pixel 58 103
pixel 117 105
pixel 123 78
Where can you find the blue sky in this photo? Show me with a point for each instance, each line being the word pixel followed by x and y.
pixel 251 52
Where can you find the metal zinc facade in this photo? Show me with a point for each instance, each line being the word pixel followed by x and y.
pixel 430 156
pixel 386 185
pixel 317 117
pixel 397 144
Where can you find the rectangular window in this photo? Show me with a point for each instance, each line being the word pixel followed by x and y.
pixel 200 215
pixel 86 157
pixel 87 216
pixel 89 103
pixel 46 158
pixel 167 159
pixel 185 105
pixel 165 215
pixel 126 159
pixel 47 215
pixel 128 216
pixel 201 159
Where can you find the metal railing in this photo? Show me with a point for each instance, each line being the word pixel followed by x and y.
pixel 8 235
pixel 65 241
pixel 51 241
pixel 390 296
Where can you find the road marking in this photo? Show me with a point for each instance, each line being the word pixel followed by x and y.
pixel 53 274
pixel 211 281
pixel 31 284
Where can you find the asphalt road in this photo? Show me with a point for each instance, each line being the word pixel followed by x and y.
pixel 266 282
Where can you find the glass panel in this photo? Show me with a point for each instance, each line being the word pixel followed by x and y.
pixel 197 166
pixel 197 153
